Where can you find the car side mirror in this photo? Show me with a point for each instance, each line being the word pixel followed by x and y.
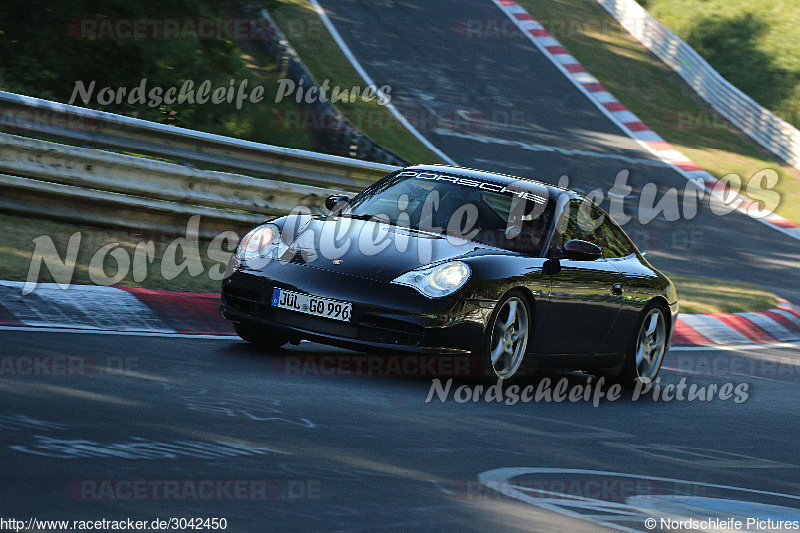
pixel 332 201
pixel 579 250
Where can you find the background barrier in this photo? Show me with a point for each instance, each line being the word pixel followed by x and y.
pixel 243 182
pixel 763 126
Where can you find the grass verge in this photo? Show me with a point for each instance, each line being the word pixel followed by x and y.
pixel 659 97
pixel 16 252
pixel 704 295
pixel 696 295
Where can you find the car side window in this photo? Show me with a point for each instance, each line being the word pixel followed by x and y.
pixel 583 223
pixel 618 244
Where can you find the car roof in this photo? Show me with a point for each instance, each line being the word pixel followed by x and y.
pixel 505 179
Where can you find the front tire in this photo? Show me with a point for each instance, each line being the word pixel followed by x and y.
pixel 260 335
pixel 506 337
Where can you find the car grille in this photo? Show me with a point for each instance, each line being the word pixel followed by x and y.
pixel 390 331
pixel 243 300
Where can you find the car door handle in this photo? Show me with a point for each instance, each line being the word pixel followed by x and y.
pixel 616 289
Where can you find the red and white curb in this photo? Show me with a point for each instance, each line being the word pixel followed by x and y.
pixel 776 325
pixel 113 309
pixel 630 123
pixel 126 310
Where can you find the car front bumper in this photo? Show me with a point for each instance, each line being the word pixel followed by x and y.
pixel 385 317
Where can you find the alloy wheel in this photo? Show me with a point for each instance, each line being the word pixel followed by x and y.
pixel 651 345
pixel 509 337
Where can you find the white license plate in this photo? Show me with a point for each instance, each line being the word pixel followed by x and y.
pixel 311 305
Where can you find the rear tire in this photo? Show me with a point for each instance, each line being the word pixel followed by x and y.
pixel 260 335
pixel 506 338
pixel 646 348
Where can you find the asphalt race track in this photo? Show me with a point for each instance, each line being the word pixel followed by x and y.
pixel 346 453
pixel 434 58
pixel 101 425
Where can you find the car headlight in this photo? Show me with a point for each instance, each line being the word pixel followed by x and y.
pixel 259 245
pixel 436 281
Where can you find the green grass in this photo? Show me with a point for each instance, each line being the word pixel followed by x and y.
pixel 17 249
pixel 323 57
pixel 754 44
pixel 696 295
pixel 703 295
pixel 658 96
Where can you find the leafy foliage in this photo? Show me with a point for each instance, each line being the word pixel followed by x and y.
pixel 44 53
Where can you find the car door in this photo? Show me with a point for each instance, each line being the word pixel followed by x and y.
pixel 585 296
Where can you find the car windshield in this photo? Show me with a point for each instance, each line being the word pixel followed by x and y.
pixel 513 217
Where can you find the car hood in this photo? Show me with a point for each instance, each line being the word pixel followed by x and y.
pixel 372 249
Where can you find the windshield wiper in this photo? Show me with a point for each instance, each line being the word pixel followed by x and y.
pixel 372 218
pixel 363 217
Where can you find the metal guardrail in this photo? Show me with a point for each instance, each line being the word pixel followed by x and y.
pixel 245 182
pixel 763 126
pixel 94 186
pixel 80 126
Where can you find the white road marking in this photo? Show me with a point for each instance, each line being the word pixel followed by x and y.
pixel 73 329
pixel 441 488
pixel 611 512
pixel 20 422
pixel 139 448
pixel 698 457
pixel 700 348
pixel 735 348
pixel 353 61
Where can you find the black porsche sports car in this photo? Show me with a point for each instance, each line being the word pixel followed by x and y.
pixel 440 259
